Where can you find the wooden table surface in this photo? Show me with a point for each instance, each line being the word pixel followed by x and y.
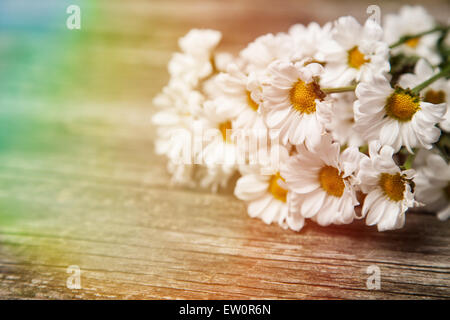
pixel 81 185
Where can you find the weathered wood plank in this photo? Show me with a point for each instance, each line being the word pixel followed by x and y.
pixel 81 185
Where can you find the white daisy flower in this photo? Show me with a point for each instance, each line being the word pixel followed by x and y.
pixel 266 194
pixel 264 50
pixel 396 117
pixel 218 152
pixel 322 182
pixel 433 185
pixel 243 95
pixel 180 98
pixel 244 92
pixel 307 41
pixel 195 61
pixel 355 53
pixel 223 59
pixel 177 106
pixel 409 21
pixel 212 86
pixel 436 93
pixel 388 189
pixel 189 69
pixel 200 42
pixel 342 122
pixel 293 104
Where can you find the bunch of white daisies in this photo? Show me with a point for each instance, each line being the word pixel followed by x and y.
pixel 332 123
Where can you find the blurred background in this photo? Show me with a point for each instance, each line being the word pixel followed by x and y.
pixel 76 143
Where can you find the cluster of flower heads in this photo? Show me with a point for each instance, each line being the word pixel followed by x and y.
pixel 356 114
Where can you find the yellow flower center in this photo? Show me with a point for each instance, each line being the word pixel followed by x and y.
pixel 303 96
pixel 412 43
pixel 251 103
pixel 355 58
pixel 435 97
pixel 223 127
pixel 402 105
pixel 331 181
pixel 275 189
pixel 393 185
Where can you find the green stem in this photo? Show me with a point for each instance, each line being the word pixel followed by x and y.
pixel 339 89
pixel 403 39
pixel 409 161
pixel 443 73
pixel 364 149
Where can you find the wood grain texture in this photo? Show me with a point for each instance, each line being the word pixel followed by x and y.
pixel 85 188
